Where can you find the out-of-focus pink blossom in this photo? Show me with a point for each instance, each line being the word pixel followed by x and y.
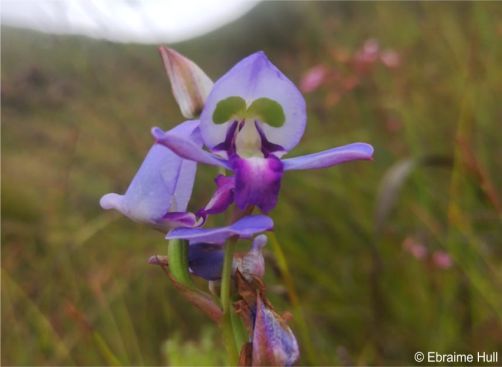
pixel 391 59
pixel 313 78
pixel 415 248
pixel 368 54
pixel 442 259
pixel 371 47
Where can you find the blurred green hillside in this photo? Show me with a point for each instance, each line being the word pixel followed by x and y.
pixel 389 257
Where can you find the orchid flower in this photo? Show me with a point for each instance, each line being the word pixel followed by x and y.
pixel 249 119
pixel 160 190
pixel 252 117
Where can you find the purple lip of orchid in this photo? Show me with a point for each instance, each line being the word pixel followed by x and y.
pixel 160 191
pixel 251 118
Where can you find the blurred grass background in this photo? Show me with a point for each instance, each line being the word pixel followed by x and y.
pixel 363 242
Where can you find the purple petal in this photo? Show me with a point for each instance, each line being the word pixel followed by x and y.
pixel 151 192
pixel 257 181
pixel 162 184
pixel 222 198
pixel 186 148
pixel 181 219
pixel 246 227
pixel 267 147
pixel 228 145
pixel 188 169
pixel 184 185
pixel 206 260
pixel 274 344
pixel 252 78
pixel 330 157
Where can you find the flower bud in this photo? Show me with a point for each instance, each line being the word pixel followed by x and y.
pixel 251 264
pixel 189 83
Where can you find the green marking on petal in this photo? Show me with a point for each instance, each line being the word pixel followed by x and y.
pixel 267 110
pixel 228 108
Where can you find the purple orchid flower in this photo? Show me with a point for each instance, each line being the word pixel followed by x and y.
pixel 206 246
pixel 251 118
pixel 160 190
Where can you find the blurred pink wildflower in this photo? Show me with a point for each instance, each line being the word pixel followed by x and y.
pixel 442 260
pixel 390 58
pixel 415 248
pixel 313 78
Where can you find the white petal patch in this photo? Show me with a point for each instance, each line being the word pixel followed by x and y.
pixel 248 141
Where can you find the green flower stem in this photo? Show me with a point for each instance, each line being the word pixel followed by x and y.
pixel 240 333
pixel 226 277
pixel 226 284
pixel 177 253
pixel 233 332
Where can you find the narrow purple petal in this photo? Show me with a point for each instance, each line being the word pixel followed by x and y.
pixel 257 181
pixel 274 344
pixel 222 198
pixel 228 145
pixel 186 148
pixel 181 219
pixel 330 157
pixel 252 78
pixel 246 227
pixel 249 226
pixel 267 147
pixel 188 130
pixel 206 260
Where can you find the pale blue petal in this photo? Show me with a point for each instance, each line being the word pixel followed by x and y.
pixel 162 184
pixel 252 78
pixel 330 157
pixel 246 227
pixel 150 194
pixel 187 148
